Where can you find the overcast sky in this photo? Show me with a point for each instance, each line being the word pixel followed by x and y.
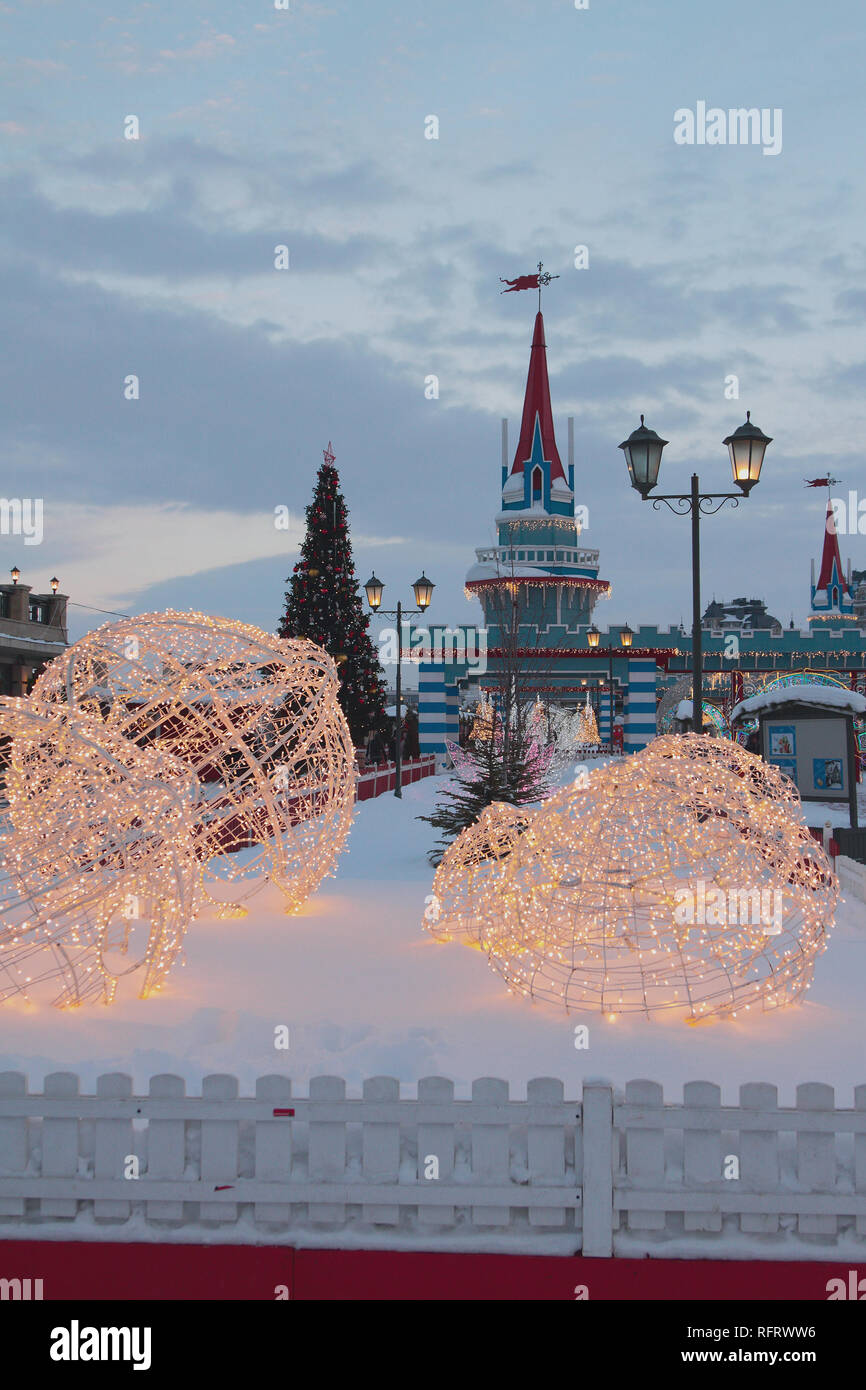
pixel 306 127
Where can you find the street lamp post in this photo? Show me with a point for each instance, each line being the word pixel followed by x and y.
pixel 593 636
pixel 643 455
pixel 626 637
pixel 423 590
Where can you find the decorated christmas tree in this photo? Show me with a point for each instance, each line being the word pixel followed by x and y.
pixel 323 604
pixel 482 726
pixel 587 731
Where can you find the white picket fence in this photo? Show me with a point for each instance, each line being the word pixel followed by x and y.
pixel 852 881
pixel 596 1167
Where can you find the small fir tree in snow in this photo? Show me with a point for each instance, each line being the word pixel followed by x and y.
pixel 493 769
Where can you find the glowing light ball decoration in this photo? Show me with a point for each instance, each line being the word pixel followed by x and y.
pixel 695 757
pixel 98 871
pixel 469 867
pixel 703 764
pixel 255 717
pixel 671 882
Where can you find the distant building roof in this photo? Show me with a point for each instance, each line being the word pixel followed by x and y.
pixel 823 696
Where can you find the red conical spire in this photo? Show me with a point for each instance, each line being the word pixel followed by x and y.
pixel 536 405
pixel 831 553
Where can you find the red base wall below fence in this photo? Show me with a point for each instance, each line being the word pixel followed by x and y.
pixel 91 1271
pixel 375 782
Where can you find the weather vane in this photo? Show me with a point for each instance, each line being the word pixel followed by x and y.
pixel 529 282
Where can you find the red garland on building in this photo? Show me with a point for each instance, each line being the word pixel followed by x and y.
pixel 323 604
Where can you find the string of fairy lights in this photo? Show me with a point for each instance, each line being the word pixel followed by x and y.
pixel 256 718
pixel 540 522
pixel 98 871
pixel 248 724
pixel 540 581
pixel 683 879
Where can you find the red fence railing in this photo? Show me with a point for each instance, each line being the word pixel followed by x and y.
pixel 374 781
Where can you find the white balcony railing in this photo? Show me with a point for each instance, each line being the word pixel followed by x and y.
pixel 506 555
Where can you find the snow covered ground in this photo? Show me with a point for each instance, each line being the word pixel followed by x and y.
pixel 364 991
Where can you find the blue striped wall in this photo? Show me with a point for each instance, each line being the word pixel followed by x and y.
pixel 438 709
pixel 604 728
pixel 640 712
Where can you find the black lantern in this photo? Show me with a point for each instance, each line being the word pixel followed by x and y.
pixel 593 636
pixel 746 447
pixel 643 455
pixel 373 588
pixel 423 590
pixel 626 636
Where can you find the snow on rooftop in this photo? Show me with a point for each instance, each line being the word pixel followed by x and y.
pixel 824 696
pixel 8 640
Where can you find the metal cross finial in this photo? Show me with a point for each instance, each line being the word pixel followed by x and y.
pixel 543 279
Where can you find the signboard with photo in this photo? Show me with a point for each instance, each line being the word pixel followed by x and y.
pixel 828 774
pixel 814 746
pixel 786 765
pixel 782 740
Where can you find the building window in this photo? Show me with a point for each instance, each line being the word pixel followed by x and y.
pixel 550 554
pixel 537 484
pixel 39 612
pixel 4 605
pixel 521 554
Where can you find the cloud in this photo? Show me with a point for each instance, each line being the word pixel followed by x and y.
pixel 227 418
pixel 110 555
pixel 516 169
pixel 212 46
pixel 851 304
pixel 46 66
pixel 167 240
pixel 208 107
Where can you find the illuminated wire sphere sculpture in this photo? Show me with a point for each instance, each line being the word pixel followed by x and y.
pixel 672 882
pixel 468 871
pixel 98 871
pixel 255 717
pixel 698 756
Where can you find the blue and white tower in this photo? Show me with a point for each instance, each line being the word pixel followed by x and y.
pixel 551 580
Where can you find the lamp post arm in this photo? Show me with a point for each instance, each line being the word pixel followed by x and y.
pixel 393 612
pixel 683 503
pixel 695 504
